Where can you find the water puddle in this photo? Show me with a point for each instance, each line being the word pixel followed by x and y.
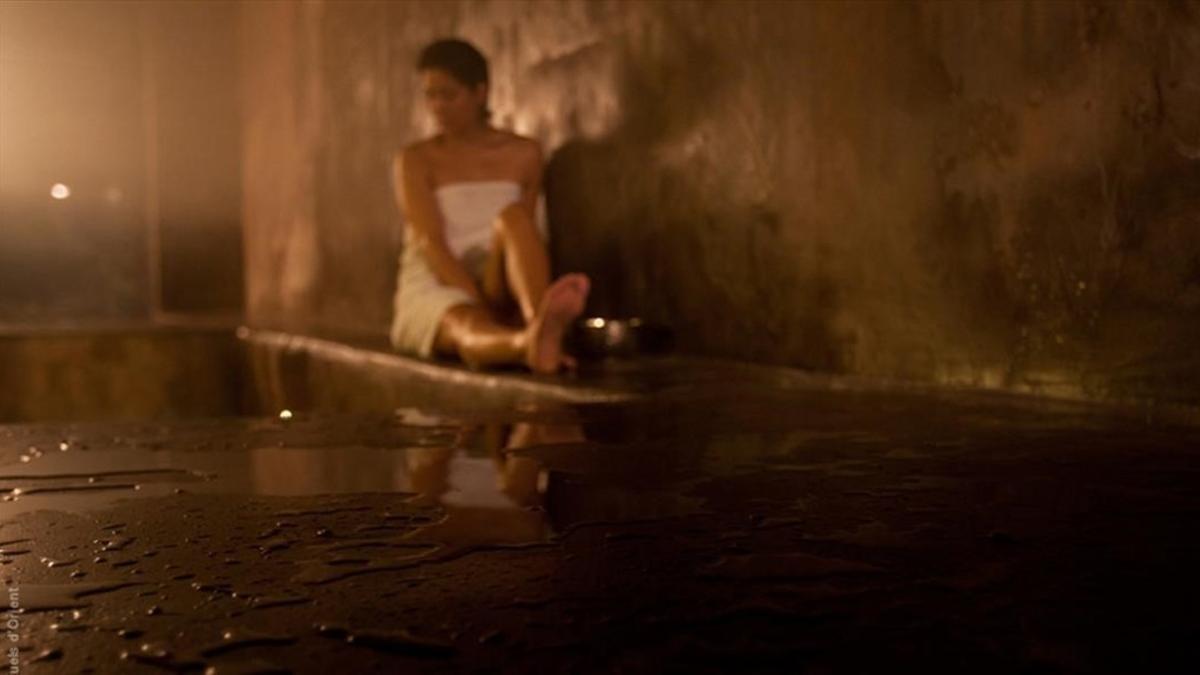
pixel 401 641
pixel 49 597
pixel 226 546
pixel 499 484
pixel 236 639
pixel 457 477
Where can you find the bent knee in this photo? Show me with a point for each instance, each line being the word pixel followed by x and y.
pixel 455 323
pixel 510 217
pixel 465 318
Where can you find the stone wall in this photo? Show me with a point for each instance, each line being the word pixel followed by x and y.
pixel 1001 194
pixel 122 374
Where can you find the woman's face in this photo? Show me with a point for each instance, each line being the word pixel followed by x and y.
pixel 454 105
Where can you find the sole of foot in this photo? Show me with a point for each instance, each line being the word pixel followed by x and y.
pixel 563 303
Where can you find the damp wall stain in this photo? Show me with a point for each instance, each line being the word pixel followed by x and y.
pixel 997 194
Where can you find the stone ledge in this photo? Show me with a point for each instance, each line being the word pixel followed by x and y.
pixel 311 372
pixel 120 372
pixel 436 373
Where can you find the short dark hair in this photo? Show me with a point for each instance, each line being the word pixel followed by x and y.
pixel 462 60
pixel 457 57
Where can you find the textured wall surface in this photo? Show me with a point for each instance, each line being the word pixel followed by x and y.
pixel 197 128
pixel 120 374
pixel 1005 194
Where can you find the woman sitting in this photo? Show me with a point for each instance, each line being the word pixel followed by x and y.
pixel 474 278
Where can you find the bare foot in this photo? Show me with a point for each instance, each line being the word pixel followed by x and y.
pixel 563 302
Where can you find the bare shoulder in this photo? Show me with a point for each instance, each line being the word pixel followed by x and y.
pixel 415 153
pixel 414 160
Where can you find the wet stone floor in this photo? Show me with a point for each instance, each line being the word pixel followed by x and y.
pixel 758 531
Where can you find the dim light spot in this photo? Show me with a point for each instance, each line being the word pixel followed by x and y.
pixel 60 191
pixel 595 323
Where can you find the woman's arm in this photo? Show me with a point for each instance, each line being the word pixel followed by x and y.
pixel 414 190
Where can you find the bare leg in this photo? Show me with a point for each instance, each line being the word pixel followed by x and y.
pixel 523 254
pixel 524 479
pixel 517 266
pixel 474 335
pixel 495 287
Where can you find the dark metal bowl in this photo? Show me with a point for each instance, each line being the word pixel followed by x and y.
pixel 599 337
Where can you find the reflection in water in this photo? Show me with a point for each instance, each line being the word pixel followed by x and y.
pixel 498 497
pixel 289 472
pixel 478 479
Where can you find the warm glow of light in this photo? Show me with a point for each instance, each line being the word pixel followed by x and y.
pixel 595 323
pixel 60 191
pixel 285 414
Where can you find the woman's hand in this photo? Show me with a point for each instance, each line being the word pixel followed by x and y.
pixel 414 191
